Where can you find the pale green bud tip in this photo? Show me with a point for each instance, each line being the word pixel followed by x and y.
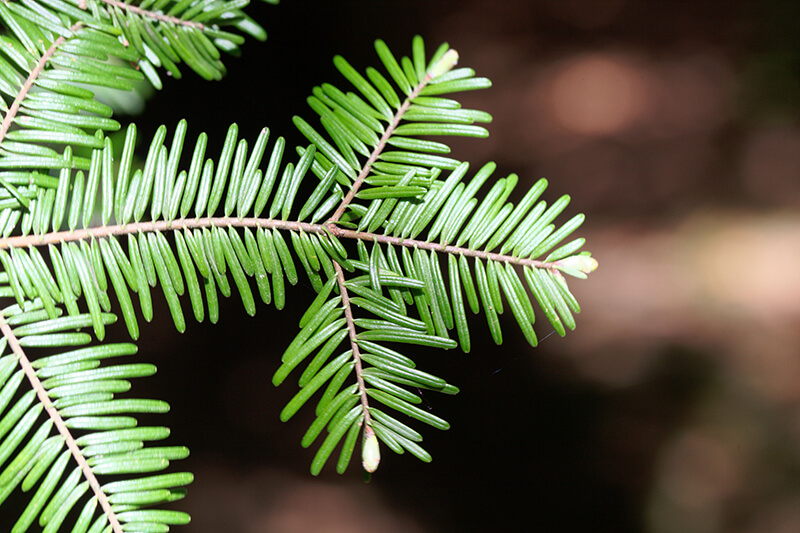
pixel 581 263
pixel 447 61
pixel 370 451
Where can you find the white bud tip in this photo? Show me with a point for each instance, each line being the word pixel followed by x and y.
pixel 370 451
pixel 447 62
pixel 581 263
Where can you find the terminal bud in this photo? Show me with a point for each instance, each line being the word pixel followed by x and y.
pixel 370 451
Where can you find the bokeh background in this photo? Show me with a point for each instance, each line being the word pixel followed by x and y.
pixel 675 405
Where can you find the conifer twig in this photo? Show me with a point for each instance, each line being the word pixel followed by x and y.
pixel 373 157
pixel 61 426
pixel 351 327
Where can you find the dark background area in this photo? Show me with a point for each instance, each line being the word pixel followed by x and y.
pixel 675 405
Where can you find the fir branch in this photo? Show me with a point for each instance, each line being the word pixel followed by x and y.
pixel 373 157
pixel 58 421
pixel 407 199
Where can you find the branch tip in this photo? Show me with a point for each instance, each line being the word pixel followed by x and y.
pixel 581 263
pixel 444 65
pixel 370 451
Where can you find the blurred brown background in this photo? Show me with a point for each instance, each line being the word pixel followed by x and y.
pixel 675 405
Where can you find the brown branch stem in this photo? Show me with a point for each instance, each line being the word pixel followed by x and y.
pixel 61 426
pixel 153 14
pixel 224 222
pixel 445 248
pixel 351 328
pixel 161 225
pixel 365 170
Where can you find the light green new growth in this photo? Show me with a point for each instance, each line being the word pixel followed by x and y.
pixel 398 239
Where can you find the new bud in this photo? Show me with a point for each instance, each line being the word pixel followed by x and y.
pixel 370 451
pixel 447 61
pixel 581 263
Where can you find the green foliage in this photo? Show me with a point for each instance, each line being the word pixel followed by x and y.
pixel 397 238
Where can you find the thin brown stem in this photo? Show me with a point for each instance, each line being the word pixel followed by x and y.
pixel 448 249
pixel 153 14
pixel 224 222
pixel 367 168
pixel 61 426
pixel 351 328
pixel 161 225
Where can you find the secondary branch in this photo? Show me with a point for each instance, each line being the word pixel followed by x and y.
pixel 351 327
pixel 61 426
pixel 373 157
